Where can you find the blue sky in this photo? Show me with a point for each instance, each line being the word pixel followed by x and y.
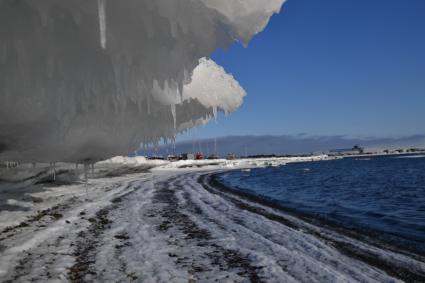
pixel 331 67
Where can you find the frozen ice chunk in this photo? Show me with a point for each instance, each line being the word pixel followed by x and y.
pixel 89 79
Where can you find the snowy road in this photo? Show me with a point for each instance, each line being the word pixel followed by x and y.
pixel 171 226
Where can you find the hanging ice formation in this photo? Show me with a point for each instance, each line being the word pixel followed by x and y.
pixel 88 79
pixel 102 22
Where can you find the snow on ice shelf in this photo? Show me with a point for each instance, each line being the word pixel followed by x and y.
pixel 91 79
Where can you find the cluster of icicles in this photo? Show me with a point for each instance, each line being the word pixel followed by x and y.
pixel 90 79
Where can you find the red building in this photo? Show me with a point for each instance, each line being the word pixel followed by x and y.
pixel 199 156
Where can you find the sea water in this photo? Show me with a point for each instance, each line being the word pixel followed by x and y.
pixel 381 196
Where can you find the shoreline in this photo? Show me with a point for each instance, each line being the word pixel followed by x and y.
pixel 419 153
pixel 364 234
pixel 172 225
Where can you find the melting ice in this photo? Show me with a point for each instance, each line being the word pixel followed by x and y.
pixel 89 79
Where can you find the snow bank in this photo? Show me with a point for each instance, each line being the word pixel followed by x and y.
pixel 132 161
pixel 90 79
pixel 212 164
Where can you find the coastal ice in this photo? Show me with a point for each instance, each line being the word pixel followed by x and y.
pixel 171 224
pixel 86 80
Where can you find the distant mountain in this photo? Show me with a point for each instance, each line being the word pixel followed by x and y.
pixel 288 144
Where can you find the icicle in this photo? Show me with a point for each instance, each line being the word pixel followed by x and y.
pixel 86 172
pixel 173 112
pixel 174 145
pixel 102 22
pixel 149 104
pixel 215 113
pixel 156 147
pixel 86 178
pixel 52 170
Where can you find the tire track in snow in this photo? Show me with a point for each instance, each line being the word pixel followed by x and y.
pixel 208 254
pixel 91 240
pixel 40 249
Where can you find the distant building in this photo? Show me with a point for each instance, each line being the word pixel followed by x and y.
pixel 212 156
pixel 231 156
pixel 156 157
pixel 347 151
pixel 187 156
pixel 172 157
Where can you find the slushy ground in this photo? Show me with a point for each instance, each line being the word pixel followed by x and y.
pixel 154 221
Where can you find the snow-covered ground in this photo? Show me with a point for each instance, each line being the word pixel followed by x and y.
pixel 138 220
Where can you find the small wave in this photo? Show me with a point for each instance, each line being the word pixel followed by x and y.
pixel 375 214
pixel 410 156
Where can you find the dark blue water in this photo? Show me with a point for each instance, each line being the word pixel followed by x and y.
pixel 382 195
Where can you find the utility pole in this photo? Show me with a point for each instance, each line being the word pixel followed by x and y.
pixel 208 151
